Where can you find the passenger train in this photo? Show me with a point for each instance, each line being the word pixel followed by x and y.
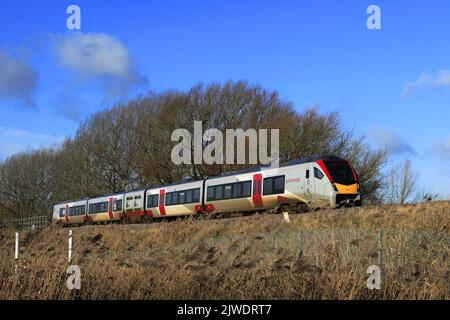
pixel 296 186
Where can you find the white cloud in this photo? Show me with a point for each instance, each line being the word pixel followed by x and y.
pixel 13 141
pixel 443 149
pixel 17 79
pixel 391 142
pixel 100 57
pixel 440 79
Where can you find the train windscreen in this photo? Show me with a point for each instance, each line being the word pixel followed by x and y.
pixel 340 172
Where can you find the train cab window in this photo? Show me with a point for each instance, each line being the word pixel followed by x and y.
pixel 318 174
pixel 62 212
pixel 307 174
pixel 117 205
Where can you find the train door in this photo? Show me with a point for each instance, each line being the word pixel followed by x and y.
pixel 321 186
pixel 309 182
pixel 257 188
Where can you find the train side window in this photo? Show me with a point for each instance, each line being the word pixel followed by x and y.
pixel 117 205
pixel 267 185
pixel 174 198
pixel 210 193
pixel 152 201
pixel 318 174
pixel 246 188
pixel 189 194
pixel 228 191
pixel 181 197
pixel 278 185
pixel 168 199
pixel 196 197
pixel 274 185
pixel 237 190
pixel 219 193
pixel 307 174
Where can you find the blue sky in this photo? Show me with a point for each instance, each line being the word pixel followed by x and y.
pixel 392 85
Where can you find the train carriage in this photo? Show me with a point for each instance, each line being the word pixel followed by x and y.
pixel 134 204
pixel 175 200
pixel 59 213
pixel 315 182
pixel 73 212
pixel 105 208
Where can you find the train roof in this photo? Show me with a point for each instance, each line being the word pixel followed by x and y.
pixel 285 164
pixel 70 201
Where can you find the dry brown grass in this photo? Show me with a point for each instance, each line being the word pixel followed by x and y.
pixel 257 257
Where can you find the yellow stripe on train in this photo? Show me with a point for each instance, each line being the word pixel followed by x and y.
pixel 351 189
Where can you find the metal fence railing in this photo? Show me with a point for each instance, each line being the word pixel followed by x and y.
pixel 25 224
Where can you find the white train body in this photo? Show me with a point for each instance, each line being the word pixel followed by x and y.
pixel 316 182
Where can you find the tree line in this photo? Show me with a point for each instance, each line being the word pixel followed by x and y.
pixel 129 146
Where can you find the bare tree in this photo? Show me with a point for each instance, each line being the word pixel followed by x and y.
pixel 427 196
pixel 402 183
pixel 129 146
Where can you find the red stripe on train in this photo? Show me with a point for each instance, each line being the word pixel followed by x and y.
pixel 110 208
pixel 257 189
pixel 162 207
pixel 67 213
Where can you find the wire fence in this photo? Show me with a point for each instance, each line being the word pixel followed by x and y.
pixel 25 224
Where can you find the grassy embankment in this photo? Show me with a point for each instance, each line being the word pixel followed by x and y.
pixel 256 257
